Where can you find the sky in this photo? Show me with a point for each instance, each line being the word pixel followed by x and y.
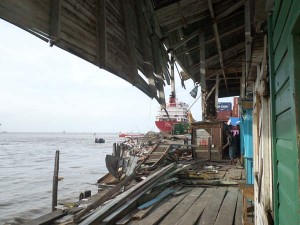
pixel 46 89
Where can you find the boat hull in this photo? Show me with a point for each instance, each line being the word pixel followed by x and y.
pixel 165 126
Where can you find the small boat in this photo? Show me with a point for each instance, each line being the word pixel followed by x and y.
pixel 99 140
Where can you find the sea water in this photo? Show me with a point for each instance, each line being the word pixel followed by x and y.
pixel 27 167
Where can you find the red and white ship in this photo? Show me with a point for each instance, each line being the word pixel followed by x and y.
pixel 178 113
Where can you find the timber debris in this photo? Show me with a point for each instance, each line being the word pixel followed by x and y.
pixel 157 179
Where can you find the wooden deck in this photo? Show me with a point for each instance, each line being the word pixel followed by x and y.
pixel 205 206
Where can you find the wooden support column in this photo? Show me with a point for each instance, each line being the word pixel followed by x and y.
pixel 172 77
pixel 55 181
pixel 202 73
pixel 217 92
pixel 101 33
pixel 243 81
pixel 127 12
pixel 55 16
pixel 202 61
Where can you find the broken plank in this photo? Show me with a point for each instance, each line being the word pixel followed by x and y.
pixel 158 215
pixel 174 216
pixel 158 198
pixel 193 214
pixel 126 219
pixel 48 218
pixel 144 212
pixel 226 213
pixel 211 210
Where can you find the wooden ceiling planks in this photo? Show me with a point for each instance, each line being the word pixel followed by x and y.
pixel 104 33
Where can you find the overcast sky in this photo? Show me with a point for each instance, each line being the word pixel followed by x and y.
pixel 45 89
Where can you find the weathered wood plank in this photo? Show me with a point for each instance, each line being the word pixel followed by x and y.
pixel 194 212
pixel 226 213
pixel 48 218
pixel 239 210
pixel 174 216
pixel 162 211
pixel 211 210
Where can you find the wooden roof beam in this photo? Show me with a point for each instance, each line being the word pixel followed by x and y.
pixel 217 39
pixel 130 42
pixel 229 10
pixel 55 20
pixel 196 47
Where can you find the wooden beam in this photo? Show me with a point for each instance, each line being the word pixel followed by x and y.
pixel 229 10
pixel 55 18
pixel 101 33
pixel 248 37
pixel 184 40
pixel 210 92
pixel 127 13
pixel 196 47
pixel 218 41
pixel 144 34
pixel 202 61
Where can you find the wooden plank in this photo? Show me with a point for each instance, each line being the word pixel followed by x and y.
pixel 226 213
pixel 144 212
pixel 127 11
pixel 194 212
pixel 48 218
pixel 144 33
pixel 174 216
pixel 126 219
pixel 281 22
pixel 55 15
pixel 101 33
pixel 162 195
pixel 133 194
pixel 162 211
pixel 210 212
pixel 104 197
pixel 234 174
pixel 239 210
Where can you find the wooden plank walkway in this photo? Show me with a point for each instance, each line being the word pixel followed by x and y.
pixel 202 206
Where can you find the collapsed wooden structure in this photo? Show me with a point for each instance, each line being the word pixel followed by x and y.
pixel 231 47
pixel 170 188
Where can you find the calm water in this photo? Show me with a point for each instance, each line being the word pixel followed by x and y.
pixel 26 170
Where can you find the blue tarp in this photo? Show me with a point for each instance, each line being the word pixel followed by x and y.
pixel 234 121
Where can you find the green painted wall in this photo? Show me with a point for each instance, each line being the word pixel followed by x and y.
pixel 284 52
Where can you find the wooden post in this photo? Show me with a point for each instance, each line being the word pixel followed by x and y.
pixel 209 147
pixel 55 181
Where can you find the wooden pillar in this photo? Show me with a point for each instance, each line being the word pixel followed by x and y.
pixel 217 92
pixel 202 61
pixel 172 77
pixel 55 181
pixel 243 82
pixel 202 73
